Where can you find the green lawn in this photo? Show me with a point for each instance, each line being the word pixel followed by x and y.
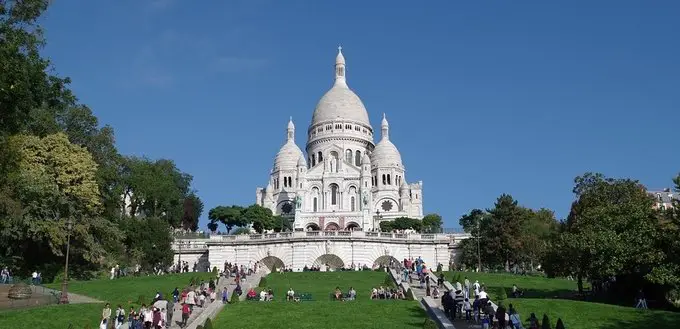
pixel 322 312
pixel 588 315
pixel 532 286
pixel 540 295
pixel 124 291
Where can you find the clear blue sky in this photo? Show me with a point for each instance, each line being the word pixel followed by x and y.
pixel 483 97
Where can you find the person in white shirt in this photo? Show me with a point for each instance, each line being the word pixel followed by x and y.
pixel 482 294
pixel 290 295
pixel 475 287
pixel 191 299
pixel 263 295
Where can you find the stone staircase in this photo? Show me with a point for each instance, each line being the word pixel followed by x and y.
pixel 210 310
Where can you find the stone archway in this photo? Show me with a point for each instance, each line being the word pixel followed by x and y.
pixel 312 227
pixel 332 227
pixel 330 260
pixel 352 226
pixel 272 261
pixel 387 261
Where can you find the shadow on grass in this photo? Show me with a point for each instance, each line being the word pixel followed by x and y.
pixel 646 320
pixel 418 315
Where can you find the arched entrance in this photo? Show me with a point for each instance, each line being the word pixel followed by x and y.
pixel 329 260
pixel 272 261
pixel 313 227
pixel 332 227
pixel 387 261
pixel 352 226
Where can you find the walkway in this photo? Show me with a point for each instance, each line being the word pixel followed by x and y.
pixel 420 293
pixel 212 308
pixel 72 298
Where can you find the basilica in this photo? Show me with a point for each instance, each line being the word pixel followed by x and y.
pixel 344 181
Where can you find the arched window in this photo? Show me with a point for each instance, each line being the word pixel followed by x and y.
pixel 357 159
pixel 290 181
pixel 334 194
pixel 335 159
pixel 313 162
pixel 388 179
pixel 320 157
pixel 352 205
pixel 315 199
pixel 384 179
pixel 348 156
pixel 315 202
pixel 285 181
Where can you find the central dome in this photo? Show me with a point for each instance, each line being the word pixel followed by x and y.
pixel 340 102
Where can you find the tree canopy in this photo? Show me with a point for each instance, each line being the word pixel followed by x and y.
pixel 61 165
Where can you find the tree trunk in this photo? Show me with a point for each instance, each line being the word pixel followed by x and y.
pixel 579 279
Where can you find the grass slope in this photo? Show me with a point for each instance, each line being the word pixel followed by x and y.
pixel 124 291
pixel 323 312
pixel 532 286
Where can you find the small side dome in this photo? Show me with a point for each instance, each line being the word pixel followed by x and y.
pixel 288 156
pixel 366 159
pixel 403 186
pixel 302 162
pixel 386 154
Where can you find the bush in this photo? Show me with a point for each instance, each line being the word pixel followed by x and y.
pixel 560 324
pixel 208 324
pixel 501 294
pixel 214 270
pixel 263 282
pixel 234 298
pixel 430 324
pixel 545 324
pixel 199 327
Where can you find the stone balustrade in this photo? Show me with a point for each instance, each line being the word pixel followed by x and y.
pixel 337 235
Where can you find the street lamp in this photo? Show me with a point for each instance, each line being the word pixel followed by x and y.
pixel 64 285
pixel 479 257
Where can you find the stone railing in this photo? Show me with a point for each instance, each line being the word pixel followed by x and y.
pixel 333 235
pixel 435 313
pixel 190 245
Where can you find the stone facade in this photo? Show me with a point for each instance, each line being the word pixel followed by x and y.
pixel 344 181
pixel 332 249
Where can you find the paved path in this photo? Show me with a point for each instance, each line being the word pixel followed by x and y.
pixel 421 292
pixel 251 280
pixel 72 298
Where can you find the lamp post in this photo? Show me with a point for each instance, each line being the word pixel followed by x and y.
pixel 479 257
pixel 64 285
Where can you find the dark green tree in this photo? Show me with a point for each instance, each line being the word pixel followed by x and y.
pixel 260 217
pixel 432 223
pixel 545 323
pixel 230 216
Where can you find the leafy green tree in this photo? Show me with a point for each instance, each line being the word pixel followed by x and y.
pixel 240 230
pixel 55 181
pixel 502 236
pixel 611 230
pixel 260 217
pixel 386 226
pixel 193 208
pixel 432 223
pixel 538 229
pixel 406 223
pixel 148 241
pixel 212 226
pixel 230 216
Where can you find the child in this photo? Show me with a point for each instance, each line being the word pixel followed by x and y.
pixel 468 309
pixel 485 322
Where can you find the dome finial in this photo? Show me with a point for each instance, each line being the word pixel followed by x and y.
pixel 385 128
pixel 340 67
pixel 291 129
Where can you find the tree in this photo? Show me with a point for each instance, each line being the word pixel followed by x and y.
pixel 545 323
pixel 148 242
pixel 230 216
pixel 611 229
pixel 538 229
pixel 504 230
pixel 260 217
pixel 432 223
pixel 386 226
pixel 55 181
pixel 212 226
pixel 193 208
pixel 406 223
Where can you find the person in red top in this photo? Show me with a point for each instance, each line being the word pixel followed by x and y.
pixel 186 311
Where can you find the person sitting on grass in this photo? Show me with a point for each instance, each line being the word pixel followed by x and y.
pixel 381 292
pixel 263 295
pixel 533 321
pixel 400 294
pixel 516 293
pixel 251 295
pixel 374 293
pixel 351 294
pixel 338 293
pixel 290 295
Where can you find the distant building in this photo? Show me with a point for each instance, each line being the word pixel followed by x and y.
pixel 663 199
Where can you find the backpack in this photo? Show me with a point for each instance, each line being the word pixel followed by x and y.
pixel 121 317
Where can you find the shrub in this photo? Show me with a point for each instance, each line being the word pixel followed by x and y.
pixel 560 324
pixel 208 324
pixel 199 327
pixel 430 324
pixel 545 324
pixel 263 282
pixel 214 270
pixel 234 298
pixel 501 294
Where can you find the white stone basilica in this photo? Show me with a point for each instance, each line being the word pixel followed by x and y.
pixel 345 181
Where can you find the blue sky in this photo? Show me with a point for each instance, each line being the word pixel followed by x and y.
pixel 483 97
